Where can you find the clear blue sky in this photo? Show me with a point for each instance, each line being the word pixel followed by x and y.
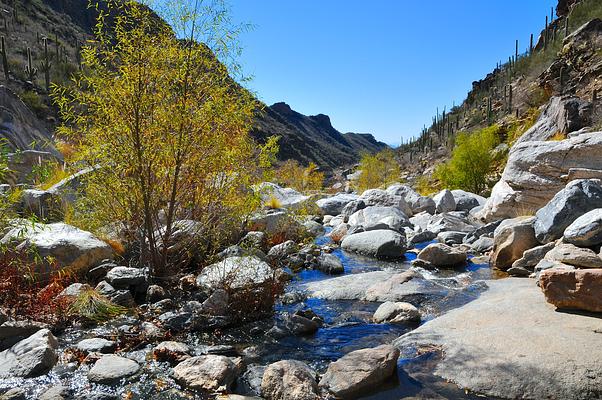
pixel 379 66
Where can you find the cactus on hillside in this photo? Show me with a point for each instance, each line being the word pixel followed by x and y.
pixel 30 70
pixel 46 65
pixel 3 50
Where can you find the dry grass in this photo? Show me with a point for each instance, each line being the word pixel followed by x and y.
pixel 273 203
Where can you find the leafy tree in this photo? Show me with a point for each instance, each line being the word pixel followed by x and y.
pixel 378 170
pixel 292 174
pixel 471 161
pixel 164 126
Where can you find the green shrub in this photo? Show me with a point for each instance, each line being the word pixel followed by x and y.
pixel 34 102
pixel 471 161
pixel 378 170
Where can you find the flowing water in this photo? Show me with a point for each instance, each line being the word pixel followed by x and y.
pixel 347 327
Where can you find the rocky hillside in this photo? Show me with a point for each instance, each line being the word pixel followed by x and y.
pixel 554 79
pixel 312 138
pixel 67 24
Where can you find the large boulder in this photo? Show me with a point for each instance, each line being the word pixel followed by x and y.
pixel 334 205
pixel 380 217
pixel 511 240
pixel 206 373
pixel 110 369
pixel 466 201
pixel 30 357
pixel 452 221
pixel 289 380
pixel 585 231
pixel 572 255
pixel 359 371
pixel 379 197
pixel 561 115
pixel 535 173
pixel 573 289
pixel 66 245
pixel 444 201
pixel 385 244
pixel 416 202
pixel 442 255
pixel 576 199
pixel 235 273
pixel 287 197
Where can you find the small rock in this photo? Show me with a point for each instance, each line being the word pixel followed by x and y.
pixel 330 264
pixel 359 371
pixel 444 201
pixel 172 352
pixel 396 313
pixel 96 345
pixel 289 380
pixel 155 293
pixel 385 244
pixel 111 368
pixel 572 255
pixel 441 255
pixel 126 277
pixel 206 373
pixel 75 289
pixel 30 357
pixel 450 237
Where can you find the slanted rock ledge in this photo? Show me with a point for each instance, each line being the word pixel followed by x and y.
pixel 510 343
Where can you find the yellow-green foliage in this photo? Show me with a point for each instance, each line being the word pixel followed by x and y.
pixel 292 174
pixel 273 203
pixel 165 127
pixel 426 186
pixel 89 305
pixel 519 126
pixel 471 161
pixel 378 170
pixel 583 12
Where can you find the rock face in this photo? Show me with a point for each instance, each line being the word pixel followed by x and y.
pixel 511 240
pixel 67 245
pixel 110 369
pixel 534 174
pixel 533 359
pixel 573 255
pixel 442 255
pixel 579 197
pixel 585 231
pixel 379 217
pixel 236 273
pixel 444 201
pixel 562 114
pixel 384 244
pixel 289 380
pixel 399 312
pixel 360 371
pixel 577 289
pixel 30 357
pixel 206 373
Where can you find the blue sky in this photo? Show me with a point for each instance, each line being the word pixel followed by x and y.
pixel 380 66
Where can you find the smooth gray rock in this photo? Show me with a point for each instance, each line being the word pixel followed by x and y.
pixel 466 201
pixel 289 380
pixel 12 331
pixel 334 205
pixel 287 197
pixel 456 222
pixel 384 244
pixel 576 199
pixel 585 231
pixel 58 392
pixel 482 245
pixel 450 237
pixel 330 264
pixel 421 237
pixel 206 373
pixel 171 351
pixel 382 198
pixel 442 255
pixel 399 312
pixel 572 255
pixel 533 358
pixel 30 357
pixel 379 217
pixel 444 201
pixel 533 256
pixel 120 297
pixel 96 345
pixel 416 202
pixel 359 371
pixel 125 277
pixel 110 369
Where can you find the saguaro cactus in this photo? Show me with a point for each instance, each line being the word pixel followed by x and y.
pixel 46 65
pixel 30 70
pixel 3 50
